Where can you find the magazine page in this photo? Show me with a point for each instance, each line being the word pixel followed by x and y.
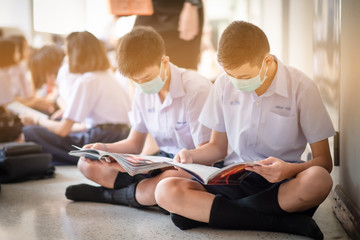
pixel 135 164
pixel 233 174
pixel 200 172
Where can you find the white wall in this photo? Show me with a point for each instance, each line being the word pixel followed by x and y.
pixel 300 37
pixel 349 101
pixel 17 14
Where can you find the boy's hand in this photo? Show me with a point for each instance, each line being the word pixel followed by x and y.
pixel 188 26
pixel 273 169
pixel 183 157
pixel 97 146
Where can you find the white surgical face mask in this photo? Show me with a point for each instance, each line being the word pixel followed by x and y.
pixel 251 84
pixel 153 86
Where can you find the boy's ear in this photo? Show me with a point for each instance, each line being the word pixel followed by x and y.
pixel 269 59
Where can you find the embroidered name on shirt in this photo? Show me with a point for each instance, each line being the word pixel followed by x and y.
pixel 151 110
pixel 180 125
pixel 282 108
pixel 234 102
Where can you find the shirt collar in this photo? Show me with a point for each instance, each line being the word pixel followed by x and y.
pixel 279 84
pixel 176 85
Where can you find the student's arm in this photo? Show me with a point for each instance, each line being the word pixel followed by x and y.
pixel 275 170
pixel 188 25
pixel 133 144
pixel 61 128
pixel 78 127
pixel 207 154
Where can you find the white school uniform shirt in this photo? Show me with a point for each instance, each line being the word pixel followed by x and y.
pixel 65 81
pixel 279 123
pixel 20 81
pixel 6 90
pixel 174 123
pixel 13 83
pixel 98 98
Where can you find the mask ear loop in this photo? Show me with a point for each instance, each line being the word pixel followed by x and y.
pixel 264 78
pixel 165 77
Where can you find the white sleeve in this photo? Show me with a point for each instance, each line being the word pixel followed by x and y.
pixel 135 117
pixel 314 119
pixel 199 132
pixel 212 115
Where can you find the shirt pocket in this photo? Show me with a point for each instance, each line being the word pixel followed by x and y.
pixel 279 133
pixel 183 135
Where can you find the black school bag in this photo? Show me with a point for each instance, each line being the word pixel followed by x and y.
pixel 24 161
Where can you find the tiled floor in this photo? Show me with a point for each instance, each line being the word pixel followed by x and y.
pixel 39 210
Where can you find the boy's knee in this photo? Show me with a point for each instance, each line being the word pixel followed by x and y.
pixel 167 191
pixel 318 179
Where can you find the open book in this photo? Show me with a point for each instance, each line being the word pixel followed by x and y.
pixel 20 109
pixel 135 164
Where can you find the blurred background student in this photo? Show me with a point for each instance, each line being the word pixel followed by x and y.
pixel 180 23
pixel 94 98
pixel 12 83
pixel 44 64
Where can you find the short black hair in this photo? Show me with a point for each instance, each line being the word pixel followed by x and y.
pixel 139 49
pixel 241 43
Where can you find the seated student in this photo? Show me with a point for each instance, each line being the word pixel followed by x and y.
pixel 10 125
pixel 11 67
pixel 44 65
pixel 266 112
pixel 166 104
pixel 96 98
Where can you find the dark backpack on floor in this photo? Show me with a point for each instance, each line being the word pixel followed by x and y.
pixel 24 161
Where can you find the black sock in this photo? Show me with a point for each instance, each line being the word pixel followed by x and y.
pixel 125 196
pixel 122 180
pixel 265 201
pixel 228 214
pixel 88 193
pixel 185 223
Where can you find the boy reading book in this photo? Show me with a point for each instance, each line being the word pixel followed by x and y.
pixel 166 104
pixel 266 112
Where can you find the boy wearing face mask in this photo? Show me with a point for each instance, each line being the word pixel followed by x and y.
pixel 167 103
pixel 266 112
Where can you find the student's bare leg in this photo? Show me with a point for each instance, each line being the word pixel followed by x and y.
pixel 98 172
pixel 308 189
pixel 184 197
pixel 145 189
